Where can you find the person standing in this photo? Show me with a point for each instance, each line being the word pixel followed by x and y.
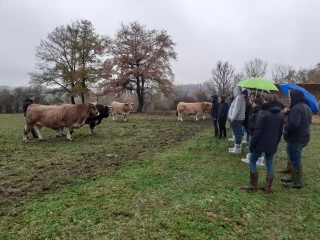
pixel 214 113
pixel 222 116
pixel 30 100
pixel 297 135
pixel 236 116
pixel 247 114
pixel 256 106
pixel 266 137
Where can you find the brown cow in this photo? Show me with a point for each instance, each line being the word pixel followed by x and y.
pixel 121 108
pixel 198 108
pixel 57 117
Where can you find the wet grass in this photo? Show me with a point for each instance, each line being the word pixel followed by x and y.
pixel 149 178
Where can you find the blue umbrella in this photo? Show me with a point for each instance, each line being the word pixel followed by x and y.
pixel 310 98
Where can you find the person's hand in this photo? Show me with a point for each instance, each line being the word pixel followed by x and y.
pixel 286 110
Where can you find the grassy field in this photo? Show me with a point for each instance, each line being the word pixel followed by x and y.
pixel 149 178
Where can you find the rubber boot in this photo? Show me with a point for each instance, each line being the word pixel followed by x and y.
pixel 296 179
pixel 244 141
pixel 247 159
pixel 260 161
pixel 233 139
pixel 237 149
pixel 287 169
pixel 253 181
pixel 269 180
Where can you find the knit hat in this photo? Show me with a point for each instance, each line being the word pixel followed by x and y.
pixel 245 92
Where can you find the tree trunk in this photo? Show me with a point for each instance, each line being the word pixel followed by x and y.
pixel 72 100
pixel 82 97
pixel 141 95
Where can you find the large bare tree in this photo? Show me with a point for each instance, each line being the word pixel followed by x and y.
pixel 139 62
pixel 222 78
pixel 70 58
pixel 255 68
pixel 282 73
pixel 314 74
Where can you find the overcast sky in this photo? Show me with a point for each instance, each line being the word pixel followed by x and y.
pixel 278 31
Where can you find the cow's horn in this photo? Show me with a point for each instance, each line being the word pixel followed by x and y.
pixel 95 103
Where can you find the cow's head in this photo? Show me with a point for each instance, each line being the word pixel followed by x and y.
pixel 129 105
pixel 93 111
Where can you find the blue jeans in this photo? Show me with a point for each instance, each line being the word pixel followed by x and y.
pixel 294 151
pixel 245 131
pixel 249 144
pixel 269 161
pixel 237 130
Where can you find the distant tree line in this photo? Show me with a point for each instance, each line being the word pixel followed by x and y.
pixel 224 75
pixel 11 100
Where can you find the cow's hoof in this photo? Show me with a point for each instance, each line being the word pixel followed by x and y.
pixel 42 139
pixel 70 139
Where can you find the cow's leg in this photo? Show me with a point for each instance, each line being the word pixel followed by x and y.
pixel 37 128
pixel 26 130
pixel 113 116
pixel 197 117
pixel 180 116
pixel 69 132
pixel 203 116
pixel 125 117
pixel 92 127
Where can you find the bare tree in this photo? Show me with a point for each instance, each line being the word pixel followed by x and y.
pixel 139 62
pixel 282 73
pixel 314 74
pixel 69 58
pixel 255 68
pixel 301 75
pixel 238 78
pixel 222 78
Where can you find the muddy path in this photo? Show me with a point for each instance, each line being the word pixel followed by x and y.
pixel 29 171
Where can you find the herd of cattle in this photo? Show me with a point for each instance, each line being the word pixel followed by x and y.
pixel 73 116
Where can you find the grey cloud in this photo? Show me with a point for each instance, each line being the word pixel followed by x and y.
pixel 205 31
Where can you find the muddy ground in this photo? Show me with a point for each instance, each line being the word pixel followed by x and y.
pixel 30 170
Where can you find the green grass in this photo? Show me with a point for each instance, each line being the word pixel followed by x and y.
pixel 169 180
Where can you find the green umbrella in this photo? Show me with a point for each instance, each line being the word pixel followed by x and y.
pixel 258 83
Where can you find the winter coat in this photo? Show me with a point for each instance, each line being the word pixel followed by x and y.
pixel 238 106
pixel 26 104
pixel 215 106
pixel 223 109
pixel 247 113
pixel 297 128
pixel 252 119
pixel 268 129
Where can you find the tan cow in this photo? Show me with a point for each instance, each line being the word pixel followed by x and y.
pixel 197 109
pixel 57 117
pixel 121 108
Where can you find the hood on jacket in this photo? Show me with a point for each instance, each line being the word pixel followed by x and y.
pixel 237 92
pixel 223 99
pixel 297 96
pixel 214 98
pixel 273 107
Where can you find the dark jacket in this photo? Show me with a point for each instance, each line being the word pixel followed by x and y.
pixel 26 104
pixel 215 106
pixel 230 102
pixel 247 113
pixel 268 129
pixel 297 128
pixel 252 119
pixel 223 109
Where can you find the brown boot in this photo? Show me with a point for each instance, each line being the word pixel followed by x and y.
pixel 253 182
pixel 269 180
pixel 287 169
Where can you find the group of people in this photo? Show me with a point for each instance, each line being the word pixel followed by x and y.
pixel 259 121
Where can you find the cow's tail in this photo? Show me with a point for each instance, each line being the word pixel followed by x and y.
pixel 177 113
